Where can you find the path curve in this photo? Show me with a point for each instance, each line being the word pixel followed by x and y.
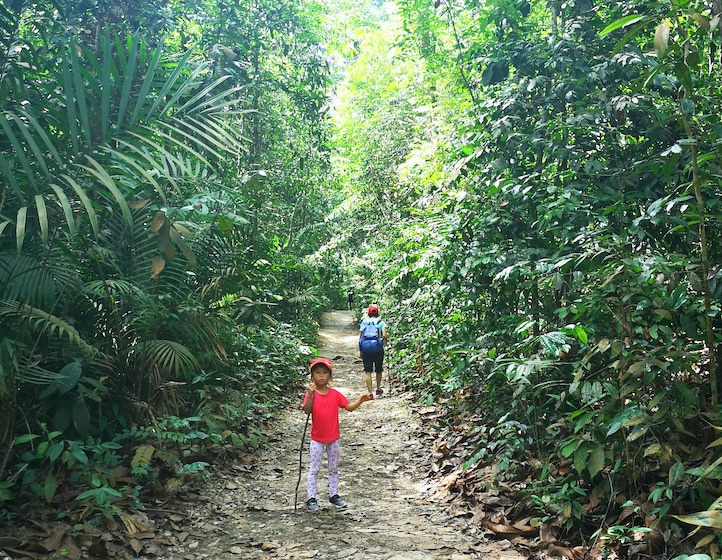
pixel 249 513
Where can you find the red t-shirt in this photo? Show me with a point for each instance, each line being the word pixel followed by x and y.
pixel 324 426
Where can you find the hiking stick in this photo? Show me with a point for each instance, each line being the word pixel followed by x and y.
pixel 300 458
pixel 391 377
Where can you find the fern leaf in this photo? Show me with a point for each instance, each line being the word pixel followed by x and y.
pixel 143 455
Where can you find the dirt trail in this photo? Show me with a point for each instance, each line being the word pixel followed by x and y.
pixel 250 513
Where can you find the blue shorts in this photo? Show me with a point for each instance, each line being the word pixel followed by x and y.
pixel 373 360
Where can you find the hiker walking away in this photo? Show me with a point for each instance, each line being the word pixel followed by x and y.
pixel 323 402
pixel 350 298
pixel 372 336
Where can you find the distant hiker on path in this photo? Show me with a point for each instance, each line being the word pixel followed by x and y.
pixel 323 402
pixel 372 336
pixel 350 297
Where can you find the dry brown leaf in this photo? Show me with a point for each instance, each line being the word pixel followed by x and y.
pixel 133 524
pixel 25 554
pixel 626 512
pixel 54 539
pixel 156 267
pixel 559 551
pixel 136 545
pixel 548 533
pixel 523 527
pixel 153 549
pixel 69 549
pixel 503 530
pixel 158 221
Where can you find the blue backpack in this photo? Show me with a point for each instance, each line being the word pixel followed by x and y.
pixel 370 341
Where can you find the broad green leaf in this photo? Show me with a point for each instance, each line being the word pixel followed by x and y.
pixel 688 107
pixel 596 461
pixel 65 204
pixel 20 225
pixel 653 449
pixel 101 173
pixel 622 22
pixel 715 443
pixel 637 432
pixel 675 474
pixel 70 375
pixel 584 420
pixel 711 519
pixel 55 450
pixel 5 494
pixel 42 217
pixel 567 450
pixel 581 334
pixel 710 469
pixel 686 392
pixel 49 488
pixel 86 202
pixel 25 438
pixel 78 453
pixel 580 458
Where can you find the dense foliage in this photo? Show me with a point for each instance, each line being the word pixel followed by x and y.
pixel 162 175
pixel 543 185
pixel 530 189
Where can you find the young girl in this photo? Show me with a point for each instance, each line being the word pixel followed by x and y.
pixel 323 403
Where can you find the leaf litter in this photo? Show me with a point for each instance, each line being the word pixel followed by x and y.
pixel 402 502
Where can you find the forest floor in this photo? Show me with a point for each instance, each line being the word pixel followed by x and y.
pixel 248 508
pixel 250 512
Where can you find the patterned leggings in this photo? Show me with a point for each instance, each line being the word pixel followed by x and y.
pixel 333 450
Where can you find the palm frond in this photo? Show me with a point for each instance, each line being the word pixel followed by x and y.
pixel 20 153
pixel 168 128
pixel 45 324
pixel 36 375
pixel 168 356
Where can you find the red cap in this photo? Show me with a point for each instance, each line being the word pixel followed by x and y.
pixel 373 310
pixel 318 361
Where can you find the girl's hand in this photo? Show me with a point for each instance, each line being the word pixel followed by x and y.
pixel 311 389
pixel 365 397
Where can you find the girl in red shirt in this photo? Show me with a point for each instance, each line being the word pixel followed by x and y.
pixel 323 402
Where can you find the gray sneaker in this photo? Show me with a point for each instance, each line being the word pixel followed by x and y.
pixel 337 502
pixel 312 505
